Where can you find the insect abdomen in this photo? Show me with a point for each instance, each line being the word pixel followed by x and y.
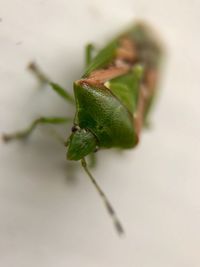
pixel 114 96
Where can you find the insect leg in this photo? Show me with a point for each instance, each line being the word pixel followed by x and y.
pixel 26 132
pixel 33 67
pixel 88 53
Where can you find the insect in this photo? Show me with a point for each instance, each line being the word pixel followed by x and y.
pixel 112 99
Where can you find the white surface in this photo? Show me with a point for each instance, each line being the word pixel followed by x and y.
pixel 50 215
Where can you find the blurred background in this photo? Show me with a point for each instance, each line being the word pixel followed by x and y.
pixel 50 215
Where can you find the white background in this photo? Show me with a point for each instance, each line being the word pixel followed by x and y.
pixel 50 215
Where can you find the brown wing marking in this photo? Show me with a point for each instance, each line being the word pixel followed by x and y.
pixel 126 55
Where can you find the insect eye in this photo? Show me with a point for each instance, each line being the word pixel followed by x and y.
pixel 75 128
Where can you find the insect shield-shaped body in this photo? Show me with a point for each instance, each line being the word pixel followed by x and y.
pixel 115 93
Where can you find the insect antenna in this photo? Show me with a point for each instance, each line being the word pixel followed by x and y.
pixel 107 204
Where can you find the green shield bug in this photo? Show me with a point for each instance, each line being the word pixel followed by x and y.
pixel 112 99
